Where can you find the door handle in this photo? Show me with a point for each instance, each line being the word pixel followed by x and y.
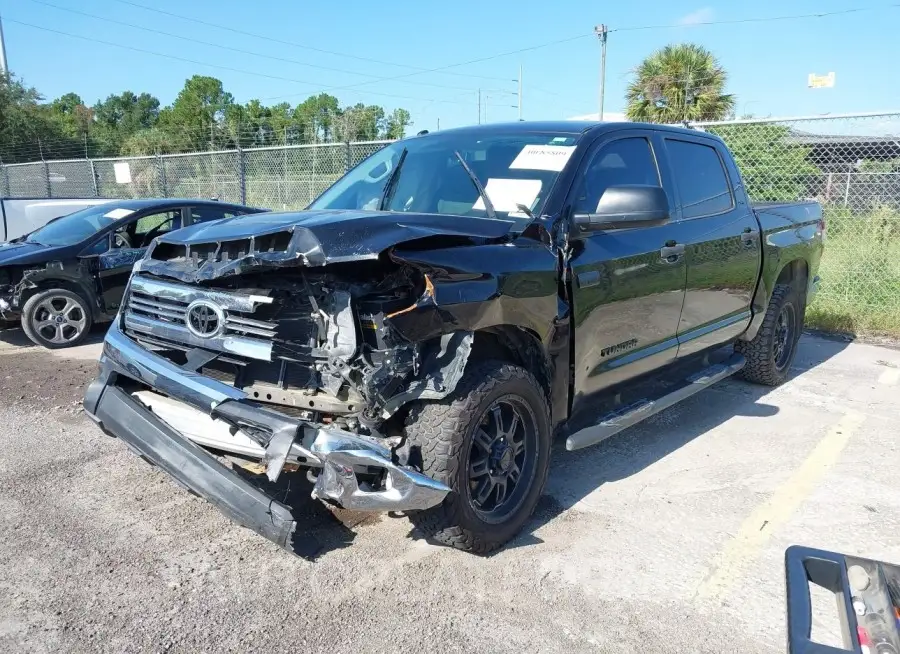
pixel 749 238
pixel 671 253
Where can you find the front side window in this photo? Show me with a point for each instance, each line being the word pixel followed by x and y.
pixel 514 169
pixel 139 233
pixel 701 179
pixel 624 162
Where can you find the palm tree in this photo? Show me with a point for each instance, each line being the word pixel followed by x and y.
pixel 678 83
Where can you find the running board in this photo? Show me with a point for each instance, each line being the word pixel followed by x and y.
pixel 623 418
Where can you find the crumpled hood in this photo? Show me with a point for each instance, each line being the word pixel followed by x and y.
pixel 15 254
pixel 310 238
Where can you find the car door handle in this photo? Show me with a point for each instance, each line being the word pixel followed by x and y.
pixel 671 253
pixel 749 239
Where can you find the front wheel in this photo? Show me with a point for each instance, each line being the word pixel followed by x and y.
pixel 489 441
pixel 56 318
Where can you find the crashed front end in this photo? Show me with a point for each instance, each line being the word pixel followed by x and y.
pixel 9 308
pixel 270 352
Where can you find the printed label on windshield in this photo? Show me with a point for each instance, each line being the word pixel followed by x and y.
pixel 543 157
pixel 505 194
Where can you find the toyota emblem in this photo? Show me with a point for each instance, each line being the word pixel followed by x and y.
pixel 205 319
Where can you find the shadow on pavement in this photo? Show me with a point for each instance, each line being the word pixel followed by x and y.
pixel 574 475
pixel 16 337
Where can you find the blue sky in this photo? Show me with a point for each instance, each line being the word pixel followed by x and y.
pixel 768 62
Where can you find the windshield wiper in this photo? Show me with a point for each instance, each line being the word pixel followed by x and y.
pixel 488 207
pixel 391 185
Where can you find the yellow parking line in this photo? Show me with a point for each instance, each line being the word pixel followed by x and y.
pixel 890 377
pixel 756 530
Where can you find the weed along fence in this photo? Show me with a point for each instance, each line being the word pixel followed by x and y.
pixel 849 163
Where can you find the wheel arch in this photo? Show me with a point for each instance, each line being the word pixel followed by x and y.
pixel 517 345
pixel 795 273
pixel 35 286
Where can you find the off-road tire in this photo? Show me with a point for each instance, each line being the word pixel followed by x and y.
pixel 439 436
pixel 31 307
pixel 760 353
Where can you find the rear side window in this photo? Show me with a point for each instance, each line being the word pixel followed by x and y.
pixel 205 214
pixel 701 179
pixel 624 162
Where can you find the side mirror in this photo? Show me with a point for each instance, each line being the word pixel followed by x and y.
pixel 622 207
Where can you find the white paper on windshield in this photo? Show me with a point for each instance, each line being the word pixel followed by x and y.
pixel 115 214
pixel 123 172
pixel 506 193
pixel 543 157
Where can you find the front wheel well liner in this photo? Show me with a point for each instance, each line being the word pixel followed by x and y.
pixel 516 345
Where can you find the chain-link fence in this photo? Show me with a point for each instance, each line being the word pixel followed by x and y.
pixel 851 165
pixel 287 177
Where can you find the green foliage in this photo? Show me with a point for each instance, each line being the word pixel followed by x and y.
pixel 204 116
pixel 860 273
pixel 772 167
pixel 678 83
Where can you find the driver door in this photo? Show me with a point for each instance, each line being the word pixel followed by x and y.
pixel 127 244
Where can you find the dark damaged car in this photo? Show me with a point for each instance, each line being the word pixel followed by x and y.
pixel 414 340
pixel 70 273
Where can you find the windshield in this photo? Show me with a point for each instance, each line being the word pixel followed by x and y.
pixel 513 168
pixel 77 226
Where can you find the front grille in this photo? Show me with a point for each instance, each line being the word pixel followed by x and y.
pixel 174 312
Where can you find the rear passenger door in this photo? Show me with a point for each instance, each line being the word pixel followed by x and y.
pixel 722 244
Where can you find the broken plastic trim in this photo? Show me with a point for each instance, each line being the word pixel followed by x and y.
pixel 441 372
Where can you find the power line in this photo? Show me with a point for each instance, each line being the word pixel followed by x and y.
pixel 231 48
pixel 821 14
pixel 294 44
pixel 418 70
pixel 229 68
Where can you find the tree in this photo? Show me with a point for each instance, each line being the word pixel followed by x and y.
pixel 198 113
pixel 27 129
pixel 359 123
pixel 150 141
pixel 773 168
pixel 396 124
pixel 121 116
pixel 678 83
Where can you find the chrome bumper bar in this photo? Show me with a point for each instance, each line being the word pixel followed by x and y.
pixel 340 454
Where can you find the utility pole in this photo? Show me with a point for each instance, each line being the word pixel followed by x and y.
pixel 4 69
pixel 479 106
pixel 601 31
pixel 520 91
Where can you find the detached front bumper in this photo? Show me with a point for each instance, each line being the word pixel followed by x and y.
pixel 341 455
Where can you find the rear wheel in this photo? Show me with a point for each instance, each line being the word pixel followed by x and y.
pixel 771 353
pixel 56 318
pixel 490 442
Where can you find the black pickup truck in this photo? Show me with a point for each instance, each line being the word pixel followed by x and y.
pixel 415 339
